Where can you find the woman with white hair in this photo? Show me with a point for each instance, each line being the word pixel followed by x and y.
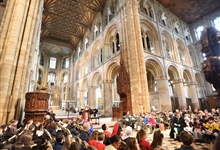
pixel 127 133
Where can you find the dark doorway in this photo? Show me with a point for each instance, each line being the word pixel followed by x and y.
pixel 189 104
pixel 175 103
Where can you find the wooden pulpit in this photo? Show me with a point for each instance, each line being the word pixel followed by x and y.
pixel 36 106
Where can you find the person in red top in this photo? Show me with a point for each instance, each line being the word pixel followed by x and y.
pixel 117 130
pixel 141 138
pixel 99 144
pixel 93 138
pixel 104 128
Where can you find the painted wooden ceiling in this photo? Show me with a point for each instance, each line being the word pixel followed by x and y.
pixel 191 10
pixel 67 20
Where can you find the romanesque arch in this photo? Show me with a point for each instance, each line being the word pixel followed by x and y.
pixel 155 67
pixel 96 54
pixel 84 93
pixel 183 52
pixel 173 72
pixel 150 34
pixel 167 42
pixel 78 70
pixel 187 76
pixel 97 99
pixel 85 63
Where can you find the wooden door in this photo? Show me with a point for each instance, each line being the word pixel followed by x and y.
pixel 175 103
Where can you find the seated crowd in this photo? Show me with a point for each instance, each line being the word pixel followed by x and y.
pixel 78 134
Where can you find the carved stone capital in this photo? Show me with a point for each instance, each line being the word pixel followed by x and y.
pixel 107 81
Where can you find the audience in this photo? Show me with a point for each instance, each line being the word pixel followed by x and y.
pixel 141 138
pixel 99 144
pixel 132 144
pixel 201 126
pixel 115 143
pixel 93 138
pixel 157 141
pixel 104 128
pixel 58 145
pixel 85 135
pixel 187 139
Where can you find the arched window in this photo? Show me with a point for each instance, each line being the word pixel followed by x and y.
pixel 176 30
pixel 42 59
pixel 39 77
pixel 65 78
pixel 168 52
pixel 198 32
pixel 142 36
pixel 52 63
pixel 66 63
pixel 181 55
pixel 51 77
pixel 216 23
pixel 117 42
pixel 149 45
pixel 101 55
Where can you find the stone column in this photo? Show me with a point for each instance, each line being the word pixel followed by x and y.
pixel 180 93
pixel 163 89
pixel 16 39
pixel 82 101
pixel 193 94
pixel 107 84
pixel 92 96
pixel 133 54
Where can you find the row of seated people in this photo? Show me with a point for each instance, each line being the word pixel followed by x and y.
pixel 204 126
pixel 61 136
pixel 49 133
pixel 147 121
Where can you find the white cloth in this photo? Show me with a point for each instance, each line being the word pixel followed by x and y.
pixel 110 147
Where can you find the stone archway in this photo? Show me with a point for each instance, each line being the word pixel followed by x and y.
pixel 84 94
pixel 157 85
pixel 96 92
pixel 110 87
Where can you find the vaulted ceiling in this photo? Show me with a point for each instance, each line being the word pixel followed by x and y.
pixel 66 21
pixel 191 10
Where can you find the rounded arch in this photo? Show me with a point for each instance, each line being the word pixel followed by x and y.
pixel 110 69
pixel 149 30
pixel 168 45
pixel 149 26
pixel 168 37
pixel 97 45
pixel 84 85
pixel 110 32
pixel 199 80
pixel 187 76
pixel 78 63
pixel 85 56
pixel 95 78
pixel 155 67
pixel 173 72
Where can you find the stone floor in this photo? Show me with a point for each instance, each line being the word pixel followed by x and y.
pixel 168 142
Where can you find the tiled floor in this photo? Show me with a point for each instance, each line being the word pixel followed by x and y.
pixel 170 143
